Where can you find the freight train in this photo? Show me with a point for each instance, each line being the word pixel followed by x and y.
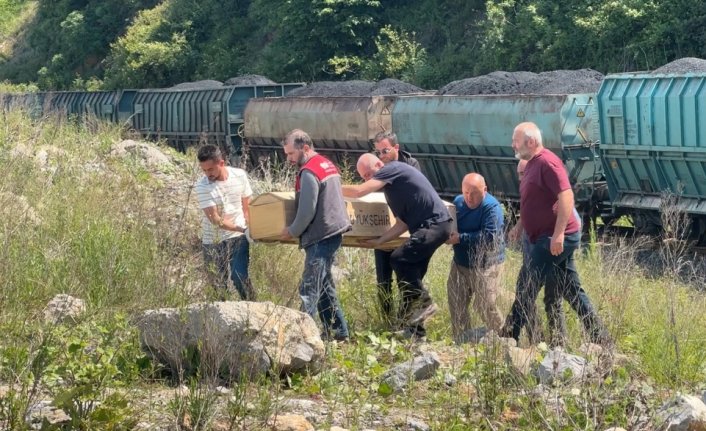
pixel 640 136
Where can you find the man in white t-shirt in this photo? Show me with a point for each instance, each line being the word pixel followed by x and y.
pixel 224 195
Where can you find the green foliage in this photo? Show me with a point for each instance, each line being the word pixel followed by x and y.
pixel 153 53
pixel 398 55
pixel 307 35
pixel 194 411
pixel 141 43
pixel 87 362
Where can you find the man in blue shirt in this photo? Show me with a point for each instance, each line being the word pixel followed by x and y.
pixel 479 253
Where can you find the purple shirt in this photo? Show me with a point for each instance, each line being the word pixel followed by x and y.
pixel 545 177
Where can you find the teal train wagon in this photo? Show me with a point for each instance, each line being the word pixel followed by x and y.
pixel 653 146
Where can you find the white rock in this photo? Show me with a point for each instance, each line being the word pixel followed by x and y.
pixel 63 308
pixel 242 338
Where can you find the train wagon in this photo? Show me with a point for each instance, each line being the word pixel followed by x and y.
pixel 341 128
pixel 653 141
pixel 192 116
pixel 454 135
pixel 98 104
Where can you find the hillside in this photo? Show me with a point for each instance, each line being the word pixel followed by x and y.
pixel 114 223
pixel 148 43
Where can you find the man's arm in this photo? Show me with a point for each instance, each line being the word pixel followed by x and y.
pixel 489 228
pixel 218 220
pixel 360 190
pixel 565 208
pixel 393 232
pixel 246 208
pixel 306 209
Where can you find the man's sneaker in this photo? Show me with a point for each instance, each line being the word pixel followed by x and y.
pixel 422 310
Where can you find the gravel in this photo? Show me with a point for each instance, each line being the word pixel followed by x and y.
pixel 552 82
pixel 683 65
pixel 249 80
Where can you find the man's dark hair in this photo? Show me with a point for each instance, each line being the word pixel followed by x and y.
pixel 389 135
pixel 299 138
pixel 210 152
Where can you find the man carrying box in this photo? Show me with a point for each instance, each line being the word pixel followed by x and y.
pixel 417 208
pixel 479 253
pixel 224 195
pixel 320 221
pixel 387 148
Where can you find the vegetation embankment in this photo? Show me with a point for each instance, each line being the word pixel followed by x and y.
pixel 65 44
pixel 122 233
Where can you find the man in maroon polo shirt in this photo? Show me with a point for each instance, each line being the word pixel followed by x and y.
pixel 554 235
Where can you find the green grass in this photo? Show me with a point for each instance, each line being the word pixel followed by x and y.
pixel 123 237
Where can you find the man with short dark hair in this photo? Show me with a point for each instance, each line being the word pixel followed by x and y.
pixel 387 148
pixel 320 222
pixel 224 194
pixel 417 208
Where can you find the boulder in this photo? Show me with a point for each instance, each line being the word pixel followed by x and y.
pixel 64 308
pixel 148 154
pixel 290 422
pixel 558 365
pixel 682 413
pixel 17 207
pixel 233 339
pixel 521 360
pixel 419 368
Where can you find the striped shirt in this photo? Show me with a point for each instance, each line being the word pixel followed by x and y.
pixel 227 197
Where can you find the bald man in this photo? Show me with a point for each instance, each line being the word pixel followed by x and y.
pixel 546 208
pixel 387 148
pixel 479 253
pixel 417 208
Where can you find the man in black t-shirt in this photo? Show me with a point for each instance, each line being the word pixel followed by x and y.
pixel 417 208
pixel 387 148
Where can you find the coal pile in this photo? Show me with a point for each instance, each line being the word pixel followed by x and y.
pixel 393 86
pixel 354 88
pixel 249 80
pixel 683 65
pixel 334 88
pixel 206 84
pixel 552 82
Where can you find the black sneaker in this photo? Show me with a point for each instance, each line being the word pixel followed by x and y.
pixel 422 310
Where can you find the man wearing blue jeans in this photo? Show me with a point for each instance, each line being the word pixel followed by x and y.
pixel 224 195
pixel 320 222
pixel 546 214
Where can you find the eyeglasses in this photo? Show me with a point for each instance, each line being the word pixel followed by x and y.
pixel 383 151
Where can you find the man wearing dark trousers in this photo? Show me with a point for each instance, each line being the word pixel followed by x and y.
pixel 546 214
pixel 417 208
pixel 387 148
pixel 320 222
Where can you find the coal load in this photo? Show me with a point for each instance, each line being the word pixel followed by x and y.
pixel 206 84
pixel 355 88
pixel 249 80
pixel 683 65
pixel 393 86
pixel 333 89
pixel 552 82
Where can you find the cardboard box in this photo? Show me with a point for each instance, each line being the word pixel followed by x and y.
pixel 370 217
pixel 270 213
